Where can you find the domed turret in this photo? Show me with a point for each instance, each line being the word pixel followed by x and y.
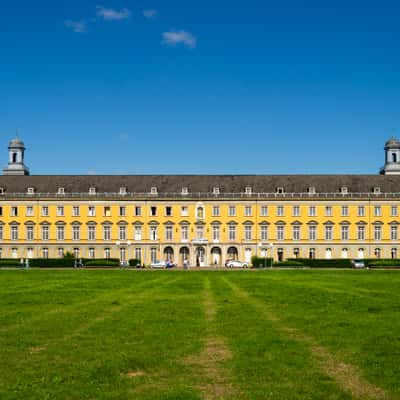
pixel 16 166
pixel 392 157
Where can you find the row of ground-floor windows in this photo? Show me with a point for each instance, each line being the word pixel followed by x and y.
pixel 198 255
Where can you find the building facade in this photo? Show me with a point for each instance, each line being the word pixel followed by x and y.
pixel 205 218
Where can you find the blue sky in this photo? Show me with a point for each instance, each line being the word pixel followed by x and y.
pixel 249 87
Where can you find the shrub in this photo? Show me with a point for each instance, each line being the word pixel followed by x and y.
pixel 101 262
pixel 9 262
pixel 261 262
pixel 382 262
pixel 289 263
pixel 134 262
pixel 52 262
pixel 324 263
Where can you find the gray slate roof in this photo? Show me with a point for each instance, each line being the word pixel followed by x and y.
pixel 201 183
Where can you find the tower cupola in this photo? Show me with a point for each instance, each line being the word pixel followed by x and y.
pixel 16 152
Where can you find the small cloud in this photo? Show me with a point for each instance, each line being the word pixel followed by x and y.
pixel 110 14
pixel 149 14
pixel 173 38
pixel 124 137
pixel 76 26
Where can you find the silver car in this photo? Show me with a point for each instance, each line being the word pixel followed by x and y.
pixel 236 264
pixel 357 263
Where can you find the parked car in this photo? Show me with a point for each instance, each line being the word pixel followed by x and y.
pixel 236 264
pixel 357 263
pixel 158 264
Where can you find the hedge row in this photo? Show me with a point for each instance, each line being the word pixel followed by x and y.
pixel 66 262
pixel 261 262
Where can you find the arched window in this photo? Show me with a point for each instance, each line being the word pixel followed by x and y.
pixel 14 157
pixel 394 157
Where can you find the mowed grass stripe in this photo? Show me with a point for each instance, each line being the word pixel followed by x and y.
pixel 346 375
pixel 214 380
pixel 267 364
pixel 101 360
pixel 86 300
pixel 361 331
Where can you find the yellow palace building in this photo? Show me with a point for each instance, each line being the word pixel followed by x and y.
pixel 205 218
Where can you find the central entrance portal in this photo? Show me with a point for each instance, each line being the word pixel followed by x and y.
pixel 200 257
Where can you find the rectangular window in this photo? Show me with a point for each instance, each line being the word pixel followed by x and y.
pixel 345 211
pixel 264 232
pixel 312 211
pixel 168 232
pixel 361 211
pixel 122 232
pixel 328 211
pixel 14 211
pixel 45 252
pixel 29 211
pixel 153 211
pixel 296 232
pixel 328 232
pixel 184 211
pixel 215 230
pixel 184 233
pixel 393 211
pixel 248 232
pixel 45 232
pixel 264 211
pixel 29 232
pixel 92 253
pixel 91 211
pixel 280 211
pixel 393 232
pixel 60 233
pixel 168 211
pixel 138 253
pixel 232 211
pixel 1 233
pixel 232 232
pixel 200 232
pixel 107 211
pixel 153 233
pixel 45 211
pixel 60 211
pixel 215 211
pixel 14 232
pixel 377 232
pixel 296 211
pixel 76 232
pixel 377 211
pixel 122 211
pixel 280 232
pixel 344 232
pixel 138 211
pixel 153 254
pixel 312 232
pixel 91 232
pixel 361 232
pixel 1 211
pixel 138 232
pixel 60 252
pixel 247 211
pixel 75 211
pixel 107 253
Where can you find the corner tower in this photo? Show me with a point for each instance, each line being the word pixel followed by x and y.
pixel 16 166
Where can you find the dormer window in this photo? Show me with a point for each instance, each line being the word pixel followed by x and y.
pixel 377 190
pixel 153 190
pixel 216 190
pixel 61 191
pixel 122 190
pixel 344 190
pixel 248 190
pixel 92 190
pixel 311 190
pixel 185 190
pixel 31 190
pixel 279 190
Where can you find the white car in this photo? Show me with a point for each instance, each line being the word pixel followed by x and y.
pixel 158 264
pixel 357 263
pixel 236 264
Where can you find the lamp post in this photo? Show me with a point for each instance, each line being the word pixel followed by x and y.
pixel 271 246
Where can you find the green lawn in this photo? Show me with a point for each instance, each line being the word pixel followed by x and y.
pixel 199 335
